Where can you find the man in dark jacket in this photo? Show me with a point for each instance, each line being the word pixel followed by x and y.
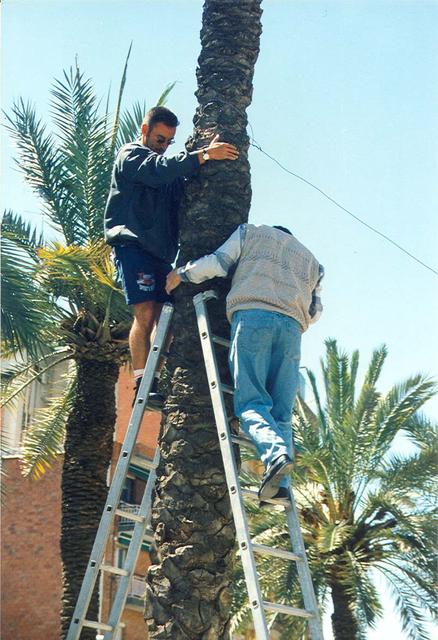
pixel 141 220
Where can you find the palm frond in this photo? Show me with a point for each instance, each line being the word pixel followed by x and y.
pixel 27 313
pixel 115 129
pixel 399 405
pixel 41 164
pixel 130 124
pixel 19 377
pixel 410 608
pixel 165 94
pixel 15 229
pixel 84 148
pixel 43 440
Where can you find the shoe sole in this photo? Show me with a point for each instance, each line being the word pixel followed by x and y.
pixel 275 502
pixel 271 487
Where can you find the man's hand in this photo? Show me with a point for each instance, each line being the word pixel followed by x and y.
pixel 220 150
pixel 172 281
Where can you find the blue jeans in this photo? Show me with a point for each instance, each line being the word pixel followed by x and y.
pixel 264 363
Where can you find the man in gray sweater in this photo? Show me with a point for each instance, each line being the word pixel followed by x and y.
pixel 273 299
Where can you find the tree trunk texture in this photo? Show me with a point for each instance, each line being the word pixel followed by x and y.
pixel 190 590
pixel 344 620
pixel 88 449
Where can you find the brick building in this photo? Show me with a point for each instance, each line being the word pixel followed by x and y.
pixel 31 520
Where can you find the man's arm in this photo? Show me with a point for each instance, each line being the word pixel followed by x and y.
pixel 153 169
pixel 214 265
pixel 316 307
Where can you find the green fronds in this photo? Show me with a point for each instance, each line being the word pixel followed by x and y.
pixel 16 378
pixel 398 407
pixel 19 232
pixel 130 123
pixel 410 606
pixel 86 276
pixel 333 536
pixel 375 367
pixel 39 161
pixel 84 150
pixel 26 309
pixel 165 94
pixel 420 430
pixel 43 440
pixel 115 130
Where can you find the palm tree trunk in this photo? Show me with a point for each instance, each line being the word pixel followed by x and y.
pixel 88 448
pixel 344 620
pixel 189 591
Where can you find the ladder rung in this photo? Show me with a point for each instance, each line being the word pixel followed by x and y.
pixel 222 341
pixel 250 493
pixel 149 535
pixel 116 570
pixel 278 553
pixel 226 388
pixel 289 611
pixel 129 516
pixel 243 441
pixel 97 625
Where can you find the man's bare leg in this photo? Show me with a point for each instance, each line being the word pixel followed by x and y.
pixel 146 315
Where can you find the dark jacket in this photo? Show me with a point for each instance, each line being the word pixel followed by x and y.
pixel 143 202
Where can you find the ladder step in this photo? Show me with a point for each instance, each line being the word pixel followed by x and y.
pixel 130 516
pixel 97 625
pixel 250 493
pixel 222 341
pixel 289 611
pixel 243 441
pixel 226 388
pixel 116 570
pixel 278 553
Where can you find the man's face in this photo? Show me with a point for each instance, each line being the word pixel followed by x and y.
pixel 159 137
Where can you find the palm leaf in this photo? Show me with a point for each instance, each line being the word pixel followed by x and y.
pixel 43 440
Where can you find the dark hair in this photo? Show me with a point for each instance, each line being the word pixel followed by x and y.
pixel 277 226
pixel 160 114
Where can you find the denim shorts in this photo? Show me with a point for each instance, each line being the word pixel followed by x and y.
pixel 143 276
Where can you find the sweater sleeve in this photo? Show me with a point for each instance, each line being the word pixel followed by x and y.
pixel 217 264
pixel 152 169
pixel 316 307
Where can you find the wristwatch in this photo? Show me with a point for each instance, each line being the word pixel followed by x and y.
pixel 205 155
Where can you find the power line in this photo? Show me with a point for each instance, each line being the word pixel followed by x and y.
pixel 254 144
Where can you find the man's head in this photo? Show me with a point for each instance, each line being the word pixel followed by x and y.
pixel 277 226
pixel 158 129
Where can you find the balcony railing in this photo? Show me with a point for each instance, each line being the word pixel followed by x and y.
pixel 137 588
pixel 125 524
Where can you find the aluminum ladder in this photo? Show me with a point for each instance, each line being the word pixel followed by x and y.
pixel 141 520
pixel 247 548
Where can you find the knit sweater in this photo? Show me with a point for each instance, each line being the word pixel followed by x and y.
pixel 273 271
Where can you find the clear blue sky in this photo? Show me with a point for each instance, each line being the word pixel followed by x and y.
pixel 345 95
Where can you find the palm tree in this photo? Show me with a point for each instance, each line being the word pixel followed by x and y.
pixel 89 322
pixel 189 587
pixel 365 509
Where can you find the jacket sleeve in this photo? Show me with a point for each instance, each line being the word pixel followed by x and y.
pixel 152 169
pixel 316 307
pixel 217 264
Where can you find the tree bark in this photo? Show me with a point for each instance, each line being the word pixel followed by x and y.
pixel 344 620
pixel 189 591
pixel 88 448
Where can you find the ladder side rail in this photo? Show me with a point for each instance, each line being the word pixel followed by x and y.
pixel 134 549
pixel 120 473
pixel 231 473
pixel 303 570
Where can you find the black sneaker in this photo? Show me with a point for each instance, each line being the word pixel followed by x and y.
pixel 282 498
pixel 155 400
pixel 281 467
